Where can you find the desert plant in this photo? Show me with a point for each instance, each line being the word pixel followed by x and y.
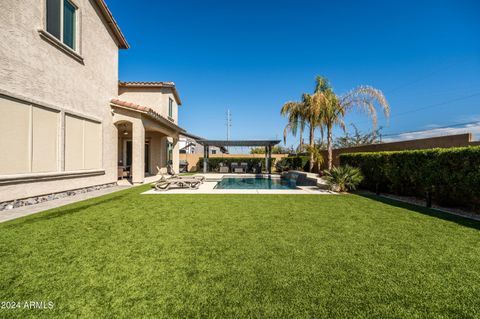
pixel 343 178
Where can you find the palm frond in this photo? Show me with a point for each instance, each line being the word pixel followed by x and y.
pixel 364 97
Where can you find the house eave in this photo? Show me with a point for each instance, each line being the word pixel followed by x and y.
pixel 113 25
pixel 149 113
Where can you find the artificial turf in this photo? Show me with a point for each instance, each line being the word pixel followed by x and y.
pixel 235 256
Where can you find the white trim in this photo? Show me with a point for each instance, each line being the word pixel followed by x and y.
pixel 60 45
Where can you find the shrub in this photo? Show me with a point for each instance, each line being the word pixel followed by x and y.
pixel 298 163
pixel 451 176
pixel 253 162
pixel 343 178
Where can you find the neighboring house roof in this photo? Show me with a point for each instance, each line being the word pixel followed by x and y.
pixel 107 14
pixel 188 145
pixel 198 138
pixel 168 85
pixel 147 111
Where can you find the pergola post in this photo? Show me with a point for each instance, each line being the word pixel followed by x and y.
pixel 266 158
pixel 269 159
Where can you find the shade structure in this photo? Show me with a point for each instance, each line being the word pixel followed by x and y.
pixel 239 143
pixel 268 144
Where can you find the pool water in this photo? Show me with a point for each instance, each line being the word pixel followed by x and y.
pixel 255 183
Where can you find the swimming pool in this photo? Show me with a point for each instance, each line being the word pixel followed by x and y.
pixel 255 183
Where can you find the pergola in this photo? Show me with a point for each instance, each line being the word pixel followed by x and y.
pixel 268 144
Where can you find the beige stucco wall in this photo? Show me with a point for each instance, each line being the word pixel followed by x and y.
pixel 155 98
pixel 32 68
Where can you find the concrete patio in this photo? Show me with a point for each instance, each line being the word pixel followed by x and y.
pixel 208 187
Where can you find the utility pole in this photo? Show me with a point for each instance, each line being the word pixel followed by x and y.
pixel 229 125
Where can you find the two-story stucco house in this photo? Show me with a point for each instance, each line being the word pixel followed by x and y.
pixel 67 122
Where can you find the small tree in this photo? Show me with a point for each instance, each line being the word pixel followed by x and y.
pixel 358 138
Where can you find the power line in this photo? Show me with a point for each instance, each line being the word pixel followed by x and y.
pixel 436 104
pixel 429 106
pixel 432 129
pixel 428 75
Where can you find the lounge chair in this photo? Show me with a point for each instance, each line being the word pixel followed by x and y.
pixel 172 174
pixel 236 168
pixel 165 184
pixel 223 168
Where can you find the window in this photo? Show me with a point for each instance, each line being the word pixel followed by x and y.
pixel 214 152
pixel 61 21
pixel 170 107
pixel 30 138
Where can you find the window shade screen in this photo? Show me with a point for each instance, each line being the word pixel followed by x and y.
pixel 45 124
pixel 83 144
pixel 15 140
pixel 73 143
pixel 93 145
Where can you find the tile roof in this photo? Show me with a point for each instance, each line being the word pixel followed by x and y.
pixel 147 111
pixel 112 24
pixel 168 85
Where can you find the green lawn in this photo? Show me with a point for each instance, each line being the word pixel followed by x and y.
pixel 134 256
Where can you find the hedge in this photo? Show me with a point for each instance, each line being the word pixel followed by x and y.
pixel 214 162
pixel 451 176
pixel 299 163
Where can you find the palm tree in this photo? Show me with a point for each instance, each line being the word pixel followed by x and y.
pixel 335 108
pixel 300 114
pixel 317 156
pixel 296 120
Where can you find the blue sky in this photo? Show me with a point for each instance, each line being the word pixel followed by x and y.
pixel 252 56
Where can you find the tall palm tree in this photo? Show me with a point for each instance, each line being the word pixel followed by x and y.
pixel 335 108
pixel 300 115
pixel 296 120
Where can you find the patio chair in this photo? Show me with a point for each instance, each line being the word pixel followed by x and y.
pixel 244 166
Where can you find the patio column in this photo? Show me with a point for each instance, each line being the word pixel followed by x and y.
pixel 205 158
pixel 138 152
pixel 176 155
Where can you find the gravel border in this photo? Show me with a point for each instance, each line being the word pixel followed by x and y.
pixel 421 203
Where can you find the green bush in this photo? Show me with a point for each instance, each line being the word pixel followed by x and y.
pixel 451 176
pixel 214 162
pixel 298 163
pixel 343 178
